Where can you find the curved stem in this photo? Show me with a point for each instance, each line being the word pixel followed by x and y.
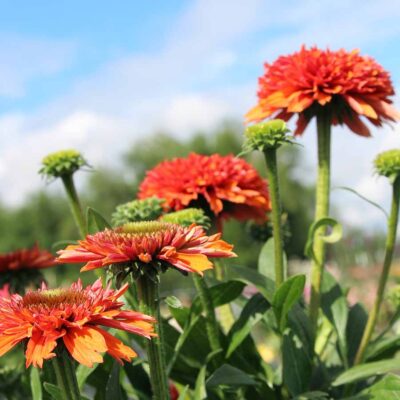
pixel 148 292
pixel 389 248
pixel 65 375
pixel 273 182
pixel 208 308
pixel 75 204
pixel 321 211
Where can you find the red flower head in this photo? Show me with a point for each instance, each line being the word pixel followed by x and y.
pixel 149 243
pixel 33 258
pixel 345 84
pixel 21 268
pixel 4 291
pixel 225 185
pixel 46 318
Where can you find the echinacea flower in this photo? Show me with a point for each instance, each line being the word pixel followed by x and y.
pixel 148 243
pixel 20 268
pixel 225 186
pixel 345 84
pixel 4 291
pixel 72 317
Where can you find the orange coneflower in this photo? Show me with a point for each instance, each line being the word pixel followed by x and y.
pixel 225 186
pixel 21 268
pixel 144 243
pixel 33 258
pixel 345 84
pixel 46 318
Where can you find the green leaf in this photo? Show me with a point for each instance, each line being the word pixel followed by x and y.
pixel 356 322
pixel 252 313
pixel 365 371
pixel 286 296
pixel 382 348
pixel 229 376
pixel 387 388
pixel 82 373
pixel 220 294
pixel 316 395
pixel 266 260
pixel 113 387
pixel 334 306
pixel 200 392
pixel 376 205
pixel 95 221
pixel 333 237
pixel 173 302
pixel 265 285
pixel 139 379
pixel 36 386
pixel 182 395
pixel 54 391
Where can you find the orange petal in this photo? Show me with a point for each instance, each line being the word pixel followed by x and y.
pixel 7 342
pixel 116 348
pixel 196 262
pixel 40 347
pixel 85 344
pixel 361 107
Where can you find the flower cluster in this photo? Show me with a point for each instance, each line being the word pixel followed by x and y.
pixel 148 243
pixel 346 84
pixel 46 318
pixel 187 217
pixel 387 163
pixel 225 186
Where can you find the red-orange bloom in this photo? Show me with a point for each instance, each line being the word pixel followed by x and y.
pixel 346 84
pixel 46 317
pixel 226 185
pixel 5 291
pixel 33 258
pixel 185 248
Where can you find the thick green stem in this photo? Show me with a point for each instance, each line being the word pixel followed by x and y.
pixel 208 308
pixel 321 211
pixel 148 292
pixel 74 203
pixel 273 181
pixel 65 375
pixel 389 248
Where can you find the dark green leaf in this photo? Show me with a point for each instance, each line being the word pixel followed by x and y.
pixel 382 348
pixel 54 391
pixel 265 285
pixel 36 386
pixel 139 380
pixel 334 306
pixel 229 376
pixel 266 260
pixel 355 328
pixel 82 373
pixel 286 296
pixel 316 395
pixel 250 315
pixel 113 387
pixel 365 371
pixel 95 221
pixel 200 392
pixel 221 294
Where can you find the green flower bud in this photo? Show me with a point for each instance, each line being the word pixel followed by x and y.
pixel 266 135
pixel 62 163
pixel 138 210
pixel 388 164
pixel 188 217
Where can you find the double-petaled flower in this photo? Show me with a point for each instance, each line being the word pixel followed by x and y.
pixel 225 186
pixel 72 317
pixel 345 84
pixel 148 243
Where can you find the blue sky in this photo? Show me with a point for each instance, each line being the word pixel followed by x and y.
pixel 97 75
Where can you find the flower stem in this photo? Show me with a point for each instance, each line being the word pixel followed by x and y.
pixel 148 292
pixel 321 211
pixel 389 248
pixel 208 308
pixel 273 181
pixel 65 375
pixel 75 204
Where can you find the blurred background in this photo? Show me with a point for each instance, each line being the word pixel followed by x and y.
pixel 133 83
